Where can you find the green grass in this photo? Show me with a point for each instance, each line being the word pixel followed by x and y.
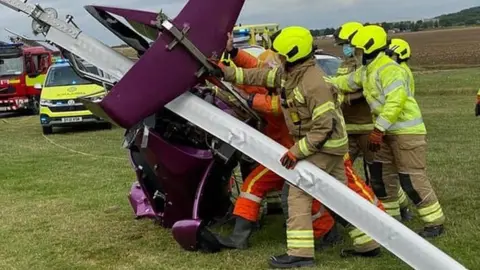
pixel 68 209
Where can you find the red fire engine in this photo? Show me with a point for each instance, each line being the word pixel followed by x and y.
pixel 21 69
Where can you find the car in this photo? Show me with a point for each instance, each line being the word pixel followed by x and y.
pixel 59 99
pixel 329 63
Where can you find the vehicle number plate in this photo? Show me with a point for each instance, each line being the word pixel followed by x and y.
pixel 71 119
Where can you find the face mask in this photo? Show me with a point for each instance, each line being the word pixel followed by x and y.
pixel 347 50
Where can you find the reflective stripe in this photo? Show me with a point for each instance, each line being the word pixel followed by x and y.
pixel 383 123
pixel 239 75
pixel 271 77
pixel 431 213
pixel 394 85
pixel 304 234
pixel 334 143
pixel 255 179
pixel 298 96
pixel 301 243
pixel 406 124
pixel 359 238
pixel 359 127
pixel 362 240
pixel 300 239
pixel 304 147
pixel 250 197
pixel 275 106
pixel 402 197
pixel 389 88
pixel 319 213
pixel 392 208
pixel 319 110
pixel 351 82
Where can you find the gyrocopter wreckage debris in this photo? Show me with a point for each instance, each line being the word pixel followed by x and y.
pixel 183 140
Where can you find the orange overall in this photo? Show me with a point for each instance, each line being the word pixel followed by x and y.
pixel 262 180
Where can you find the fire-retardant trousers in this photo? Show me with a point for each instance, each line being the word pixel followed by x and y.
pixel 256 186
pixel 404 157
pixel 395 197
pixel 300 238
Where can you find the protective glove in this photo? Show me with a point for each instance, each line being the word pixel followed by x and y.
pixel 217 71
pixel 375 140
pixel 289 160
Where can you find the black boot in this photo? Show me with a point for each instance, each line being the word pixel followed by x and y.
pixel 239 237
pixel 406 214
pixel 287 261
pixel 351 252
pixel 329 239
pixel 431 232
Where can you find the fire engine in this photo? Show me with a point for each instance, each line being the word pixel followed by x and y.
pixel 21 68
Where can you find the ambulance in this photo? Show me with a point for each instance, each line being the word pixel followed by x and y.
pixel 59 103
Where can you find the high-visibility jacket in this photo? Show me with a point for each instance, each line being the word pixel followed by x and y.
pixel 410 73
pixel 358 117
pixel 386 87
pixel 263 102
pixel 309 105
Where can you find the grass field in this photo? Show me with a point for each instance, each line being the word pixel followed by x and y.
pixel 64 199
pixel 438 49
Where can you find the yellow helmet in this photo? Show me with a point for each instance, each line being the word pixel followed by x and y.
pixel 399 47
pixel 293 42
pixel 345 32
pixel 269 57
pixel 370 38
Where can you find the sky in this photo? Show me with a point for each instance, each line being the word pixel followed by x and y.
pixel 314 14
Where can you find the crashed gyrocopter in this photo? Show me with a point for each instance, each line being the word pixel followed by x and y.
pixel 183 139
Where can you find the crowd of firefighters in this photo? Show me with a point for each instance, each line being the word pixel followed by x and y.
pixel 368 109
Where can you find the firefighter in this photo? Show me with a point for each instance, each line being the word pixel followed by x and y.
pixel 358 119
pixel 313 117
pixel 261 180
pixel 399 131
pixel 357 114
pixel 399 50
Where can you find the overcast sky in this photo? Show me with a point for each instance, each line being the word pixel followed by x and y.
pixel 309 13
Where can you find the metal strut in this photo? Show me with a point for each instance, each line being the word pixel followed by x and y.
pixel 163 23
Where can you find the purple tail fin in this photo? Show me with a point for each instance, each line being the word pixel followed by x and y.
pixel 161 75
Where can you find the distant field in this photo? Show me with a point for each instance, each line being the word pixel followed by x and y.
pixel 436 49
pixel 439 49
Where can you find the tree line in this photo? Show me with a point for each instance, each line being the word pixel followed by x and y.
pixel 466 17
